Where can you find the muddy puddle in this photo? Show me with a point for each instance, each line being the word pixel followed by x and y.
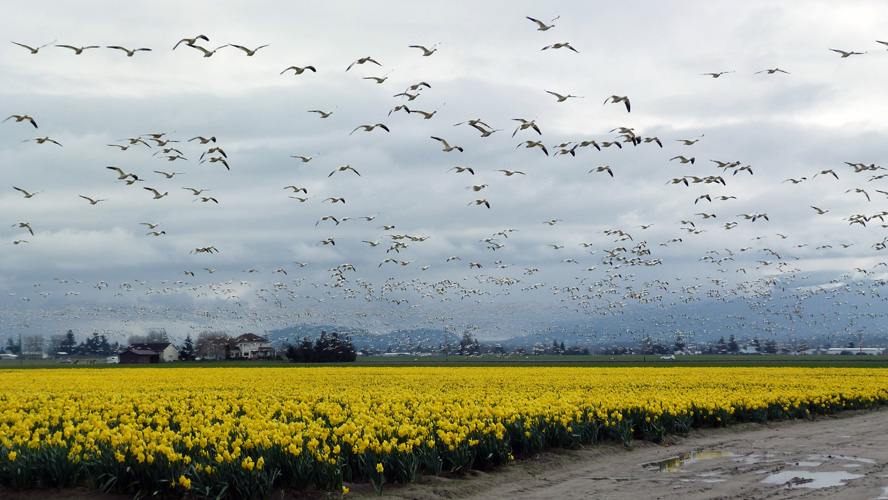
pixel 675 464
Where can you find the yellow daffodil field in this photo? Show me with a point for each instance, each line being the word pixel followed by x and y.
pixel 239 432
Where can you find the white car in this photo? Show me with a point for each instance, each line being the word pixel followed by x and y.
pixel 668 357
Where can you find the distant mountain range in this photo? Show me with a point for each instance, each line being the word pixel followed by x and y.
pixel 817 320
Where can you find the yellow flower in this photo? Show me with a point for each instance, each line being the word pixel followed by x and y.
pixel 379 467
pixel 184 481
pixel 344 490
pixel 12 456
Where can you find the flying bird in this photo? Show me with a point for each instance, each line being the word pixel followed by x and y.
pixel 206 52
pixel 129 52
pixel 605 168
pixel 772 71
pixel 716 75
pixel 34 50
pixel 562 98
pixel 368 128
pixel 91 201
pixel 303 159
pixel 157 194
pixel 526 124
pixel 246 50
pixel 689 142
pixel 191 41
pixel 541 26
pixel 207 152
pixel 298 71
pixel 858 190
pixel 682 159
pixel 463 169
pixel 363 60
pixel 41 140
pixel 21 118
pixel 447 147
pixel 425 114
pixel 425 52
pixel 168 175
pixel 324 114
pixel 26 193
pixel 78 50
pixel 215 159
pixel 377 79
pixel 343 169
pixel 562 45
pixel 203 140
pixel 25 225
pixel 534 144
pixel 121 175
pixel 847 53
pixel 616 99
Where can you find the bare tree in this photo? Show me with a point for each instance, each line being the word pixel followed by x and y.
pixel 213 345
pixel 154 335
pixel 32 345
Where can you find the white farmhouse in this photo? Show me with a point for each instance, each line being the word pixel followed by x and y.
pixel 252 346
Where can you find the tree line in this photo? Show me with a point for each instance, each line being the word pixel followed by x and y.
pixel 331 348
pixel 35 346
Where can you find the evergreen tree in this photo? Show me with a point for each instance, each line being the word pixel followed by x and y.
pixel 679 343
pixel 69 344
pixel 187 351
pixel 104 345
pixel 733 346
pixel 468 345
pixel 12 346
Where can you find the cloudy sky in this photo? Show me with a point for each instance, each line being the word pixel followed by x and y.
pixel 784 191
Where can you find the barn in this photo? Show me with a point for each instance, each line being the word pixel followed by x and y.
pixel 133 356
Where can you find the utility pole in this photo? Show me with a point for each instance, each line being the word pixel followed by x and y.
pixel 643 350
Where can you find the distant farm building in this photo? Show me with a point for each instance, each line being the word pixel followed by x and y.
pixel 870 351
pixel 156 352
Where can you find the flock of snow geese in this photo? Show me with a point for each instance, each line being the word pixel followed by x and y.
pixel 613 265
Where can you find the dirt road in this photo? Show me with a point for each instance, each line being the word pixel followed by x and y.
pixel 844 457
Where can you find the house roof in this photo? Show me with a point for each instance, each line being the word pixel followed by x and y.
pixel 140 352
pixel 250 337
pixel 155 347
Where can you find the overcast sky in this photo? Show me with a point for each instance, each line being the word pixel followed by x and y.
pixel 787 209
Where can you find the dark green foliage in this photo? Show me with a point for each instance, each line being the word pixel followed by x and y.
pixel 331 348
